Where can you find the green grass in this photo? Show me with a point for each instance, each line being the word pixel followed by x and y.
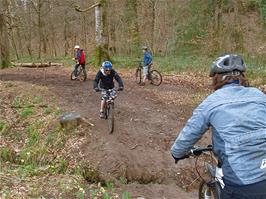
pixel 256 65
pixel 3 126
pixel 27 111
pixel 185 58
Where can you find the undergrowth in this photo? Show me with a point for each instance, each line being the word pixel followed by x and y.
pixel 35 154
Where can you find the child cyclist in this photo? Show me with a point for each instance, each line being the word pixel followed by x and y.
pixel 105 80
pixel 79 58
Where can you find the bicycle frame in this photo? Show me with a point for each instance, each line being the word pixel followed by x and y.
pixel 153 75
pixel 81 73
pixel 216 181
pixel 109 108
pixel 215 184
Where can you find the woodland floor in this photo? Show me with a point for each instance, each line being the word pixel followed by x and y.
pixel 147 121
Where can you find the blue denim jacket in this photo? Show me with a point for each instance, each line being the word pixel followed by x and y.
pixel 237 117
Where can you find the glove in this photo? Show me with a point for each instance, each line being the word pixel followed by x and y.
pixel 120 88
pixel 97 89
pixel 177 159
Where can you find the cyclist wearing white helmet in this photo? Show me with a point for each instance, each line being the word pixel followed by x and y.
pixel 79 58
pixel 236 114
pixel 105 80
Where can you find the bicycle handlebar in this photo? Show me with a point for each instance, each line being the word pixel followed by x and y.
pixel 197 151
pixel 200 150
pixel 102 89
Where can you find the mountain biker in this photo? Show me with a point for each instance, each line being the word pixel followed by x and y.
pixel 147 61
pixel 105 77
pixel 236 114
pixel 79 58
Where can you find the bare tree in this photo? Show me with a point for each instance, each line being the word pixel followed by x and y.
pixel 101 30
pixel 4 41
pixel 132 26
pixel 217 23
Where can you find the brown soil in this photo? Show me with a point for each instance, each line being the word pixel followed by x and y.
pixel 147 120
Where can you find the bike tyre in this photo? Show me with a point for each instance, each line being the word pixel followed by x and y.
pixel 138 76
pixel 72 75
pixel 82 75
pixel 110 118
pixel 155 77
pixel 202 187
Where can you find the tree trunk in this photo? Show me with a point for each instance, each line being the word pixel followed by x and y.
pixel 217 24
pixel 11 28
pixel 66 27
pixel 153 5
pixel 101 30
pixel 39 28
pixel 133 29
pixel 28 37
pixel 4 42
pixel 237 28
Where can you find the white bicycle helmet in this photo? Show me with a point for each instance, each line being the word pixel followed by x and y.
pixel 77 47
pixel 227 63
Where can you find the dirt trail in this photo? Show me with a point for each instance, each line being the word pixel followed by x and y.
pixel 147 122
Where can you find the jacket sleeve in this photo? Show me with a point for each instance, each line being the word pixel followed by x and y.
pixel 96 80
pixel 118 79
pixel 196 126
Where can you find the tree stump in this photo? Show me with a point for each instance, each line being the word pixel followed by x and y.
pixel 70 120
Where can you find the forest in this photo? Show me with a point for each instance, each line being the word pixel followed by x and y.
pixel 47 29
pixel 43 157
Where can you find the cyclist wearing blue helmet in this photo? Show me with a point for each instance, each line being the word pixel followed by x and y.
pixel 236 114
pixel 105 80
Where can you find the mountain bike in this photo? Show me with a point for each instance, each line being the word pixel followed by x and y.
pixel 154 76
pixel 211 188
pixel 108 110
pixel 81 74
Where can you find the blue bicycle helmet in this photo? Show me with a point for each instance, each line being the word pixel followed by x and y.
pixel 107 65
pixel 227 63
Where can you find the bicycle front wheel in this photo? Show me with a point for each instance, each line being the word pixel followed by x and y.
pixel 205 189
pixel 72 76
pixel 155 77
pixel 111 119
pixel 138 76
pixel 82 75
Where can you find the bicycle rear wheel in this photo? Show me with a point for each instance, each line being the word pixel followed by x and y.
pixel 204 187
pixel 155 77
pixel 110 118
pixel 138 76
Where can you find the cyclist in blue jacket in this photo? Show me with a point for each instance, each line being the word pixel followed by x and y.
pixel 236 115
pixel 105 80
pixel 147 61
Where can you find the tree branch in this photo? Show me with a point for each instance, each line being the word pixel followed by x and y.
pixel 78 9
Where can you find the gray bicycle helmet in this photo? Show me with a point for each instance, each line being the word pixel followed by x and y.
pixel 227 63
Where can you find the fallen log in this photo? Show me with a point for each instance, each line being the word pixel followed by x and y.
pixel 37 65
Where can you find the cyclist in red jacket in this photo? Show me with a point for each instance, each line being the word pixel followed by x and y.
pixel 80 58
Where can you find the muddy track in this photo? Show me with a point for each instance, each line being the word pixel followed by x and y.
pixel 146 125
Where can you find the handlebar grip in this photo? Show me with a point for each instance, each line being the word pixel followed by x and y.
pixel 199 151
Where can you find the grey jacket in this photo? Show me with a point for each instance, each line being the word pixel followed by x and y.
pixel 237 117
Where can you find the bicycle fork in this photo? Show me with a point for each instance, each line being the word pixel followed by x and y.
pixel 215 183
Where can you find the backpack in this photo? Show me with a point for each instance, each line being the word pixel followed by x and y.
pixel 82 58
